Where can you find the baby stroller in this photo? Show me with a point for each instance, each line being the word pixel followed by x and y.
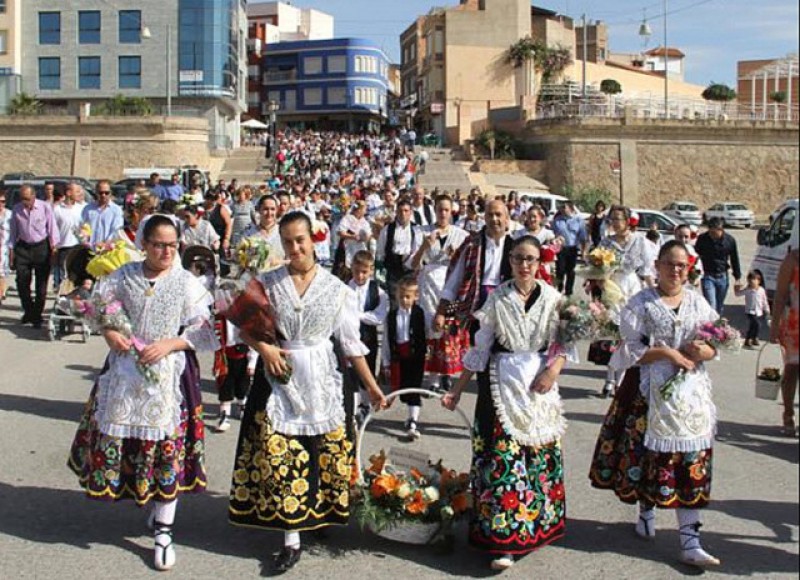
pixel 76 287
pixel 202 262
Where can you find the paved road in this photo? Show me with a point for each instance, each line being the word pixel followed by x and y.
pixel 48 529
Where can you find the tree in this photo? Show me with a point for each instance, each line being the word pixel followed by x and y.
pixel 122 106
pixel 24 104
pixel 779 97
pixel 719 93
pixel 610 87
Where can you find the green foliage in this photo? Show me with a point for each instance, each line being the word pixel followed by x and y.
pixel 24 104
pixel 719 93
pixel 610 87
pixel 122 106
pixel 551 62
pixel 779 97
pixel 505 145
pixel 586 197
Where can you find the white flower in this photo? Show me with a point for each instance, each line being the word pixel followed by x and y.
pixel 404 491
pixel 432 494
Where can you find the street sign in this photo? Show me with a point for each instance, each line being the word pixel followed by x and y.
pixel 437 108
pixel 616 167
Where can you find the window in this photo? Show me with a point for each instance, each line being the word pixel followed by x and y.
pixel 312 97
pixel 337 96
pixel 337 64
pixel 3 41
pixel 130 72
pixel 313 65
pixel 89 72
pixel 49 27
pixel 89 27
pixel 2 6
pixel 49 74
pixel 130 26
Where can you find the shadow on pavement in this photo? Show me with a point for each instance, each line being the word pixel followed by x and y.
pixel 780 517
pixel 762 439
pixel 89 372
pixel 49 409
pixel 739 555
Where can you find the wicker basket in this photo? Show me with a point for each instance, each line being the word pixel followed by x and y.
pixel 766 390
pixel 416 533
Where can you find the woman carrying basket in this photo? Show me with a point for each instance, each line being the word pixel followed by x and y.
pixel 517 470
pixel 294 461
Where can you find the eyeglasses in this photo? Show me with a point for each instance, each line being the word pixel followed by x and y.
pixel 161 246
pixel 673 266
pixel 2 201
pixel 529 260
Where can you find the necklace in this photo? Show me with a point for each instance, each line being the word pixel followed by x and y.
pixel 522 292
pixel 150 291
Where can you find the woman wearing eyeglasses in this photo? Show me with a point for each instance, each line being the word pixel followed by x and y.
pixel 517 470
pixel 655 446
pixel 142 436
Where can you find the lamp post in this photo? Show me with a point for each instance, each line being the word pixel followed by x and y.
pixel 273 107
pixel 666 66
pixel 146 34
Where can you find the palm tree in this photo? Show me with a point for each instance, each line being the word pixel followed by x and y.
pixel 24 104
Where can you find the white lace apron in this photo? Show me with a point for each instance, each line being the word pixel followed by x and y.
pixel 312 402
pixel 531 418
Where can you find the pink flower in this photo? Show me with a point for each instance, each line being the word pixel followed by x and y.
pixel 137 344
pixel 113 308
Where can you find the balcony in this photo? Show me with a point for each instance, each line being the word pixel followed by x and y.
pixel 280 76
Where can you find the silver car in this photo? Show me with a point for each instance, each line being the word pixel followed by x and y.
pixel 684 212
pixel 731 213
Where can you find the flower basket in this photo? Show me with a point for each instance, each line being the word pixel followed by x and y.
pixel 768 380
pixel 399 527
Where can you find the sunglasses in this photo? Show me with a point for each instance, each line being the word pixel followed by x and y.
pixel 103 193
pixel 519 260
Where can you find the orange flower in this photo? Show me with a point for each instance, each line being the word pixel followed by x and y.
pixel 417 505
pixel 377 463
pixel 447 476
pixel 417 474
pixel 461 503
pixel 697 471
pixel 384 485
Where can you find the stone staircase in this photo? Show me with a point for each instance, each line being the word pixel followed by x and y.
pixel 247 164
pixel 446 169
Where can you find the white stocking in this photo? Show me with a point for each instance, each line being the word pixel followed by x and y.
pixel 689 527
pixel 165 512
pixel 291 540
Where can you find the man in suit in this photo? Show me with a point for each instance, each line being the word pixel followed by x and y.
pixel 423 211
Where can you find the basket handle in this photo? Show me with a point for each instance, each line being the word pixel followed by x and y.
pixel 391 397
pixel 761 353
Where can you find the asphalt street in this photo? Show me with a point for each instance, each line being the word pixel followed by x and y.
pixel 49 530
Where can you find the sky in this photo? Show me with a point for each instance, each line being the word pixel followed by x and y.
pixel 714 34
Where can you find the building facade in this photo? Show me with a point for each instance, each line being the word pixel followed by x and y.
pixel 760 82
pixel 10 50
pixel 339 84
pixel 186 57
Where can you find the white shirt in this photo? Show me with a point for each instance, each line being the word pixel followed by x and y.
pixel 375 317
pixel 402 241
pixel 544 235
pixel 403 318
pixel 491 269
pixel 68 220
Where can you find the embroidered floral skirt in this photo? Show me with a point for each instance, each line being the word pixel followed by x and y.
pixel 285 482
pixel 110 468
pixel 520 502
pixel 447 351
pixel 622 463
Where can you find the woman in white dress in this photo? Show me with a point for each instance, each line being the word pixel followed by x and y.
pixel 432 258
pixel 517 467
pixel 294 459
pixel 355 231
pixel 5 234
pixel 139 439
pixel 267 228
pixel 656 449
pixel 636 268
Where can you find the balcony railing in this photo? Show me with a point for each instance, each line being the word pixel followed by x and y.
pixel 280 76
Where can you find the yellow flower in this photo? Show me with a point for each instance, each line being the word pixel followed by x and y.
pixel 513 447
pixel 255 476
pixel 283 471
pixel 337 435
pixel 324 461
pixel 241 494
pixel 478 444
pixel 343 467
pixel 303 457
pixel 291 504
pixel 266 470
pixel 262 504
pixel 240 476
pixel 326 477
pixel 344 499
pixel 277 445
pixel 299 487
pixel 641 424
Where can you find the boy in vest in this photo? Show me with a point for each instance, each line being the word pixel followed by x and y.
pixel 397 244
pixel 234 368
pixel 373 305
pixel 404 349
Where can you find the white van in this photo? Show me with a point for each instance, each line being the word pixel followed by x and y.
pixel 774 242
pixel 550 202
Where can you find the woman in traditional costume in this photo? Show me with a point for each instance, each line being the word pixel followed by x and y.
pixel 635 269
pixel 267 228
pixel 432 258
pixel 517 469
pixel 655 448
pixel 141 436
pixel 294 460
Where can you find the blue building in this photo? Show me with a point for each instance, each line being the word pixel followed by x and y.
pixel 339 84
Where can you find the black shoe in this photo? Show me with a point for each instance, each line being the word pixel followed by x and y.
pixel 37 323
pixel 286 559
pixel 26 319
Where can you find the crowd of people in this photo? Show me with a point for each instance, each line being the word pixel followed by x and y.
pixel 370 275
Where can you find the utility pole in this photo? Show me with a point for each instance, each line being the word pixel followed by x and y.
pixel 666 66
pixel 169 70
pixel 585 56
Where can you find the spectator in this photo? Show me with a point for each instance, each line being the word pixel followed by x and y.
pixel 175 189
pixel 5 234
pixel 786 331
pixel 157 187
pixel 597 222
pixel 719 253
pixel 68 214
pixel 103 216
pixel 423 212
pixel 569 225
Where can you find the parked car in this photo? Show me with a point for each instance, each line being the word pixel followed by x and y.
pixel 550 202
pixel 732 214
pixel 23 175
pixel 774 242
pixel 12 187
pixel 684 212
pixel 664 224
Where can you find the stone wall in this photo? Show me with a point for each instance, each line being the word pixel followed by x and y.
pixel 100 147
pixel 649 163
pixel 534 169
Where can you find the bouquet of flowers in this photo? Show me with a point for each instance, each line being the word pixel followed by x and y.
pixel 105 314
pixel 320 231
pixel 575 322
pixel 84 233
pixel 718 334
pixel 694 274
pixel 108 257
pixel 605 327
pixel 771 374
pixel 600 264
pixel 243 300
pixel 388 497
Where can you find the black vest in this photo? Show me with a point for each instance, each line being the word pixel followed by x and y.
pixel 428 215
pixel 505 263
pixel 419 345
pixel 393 261
pixel 369 333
